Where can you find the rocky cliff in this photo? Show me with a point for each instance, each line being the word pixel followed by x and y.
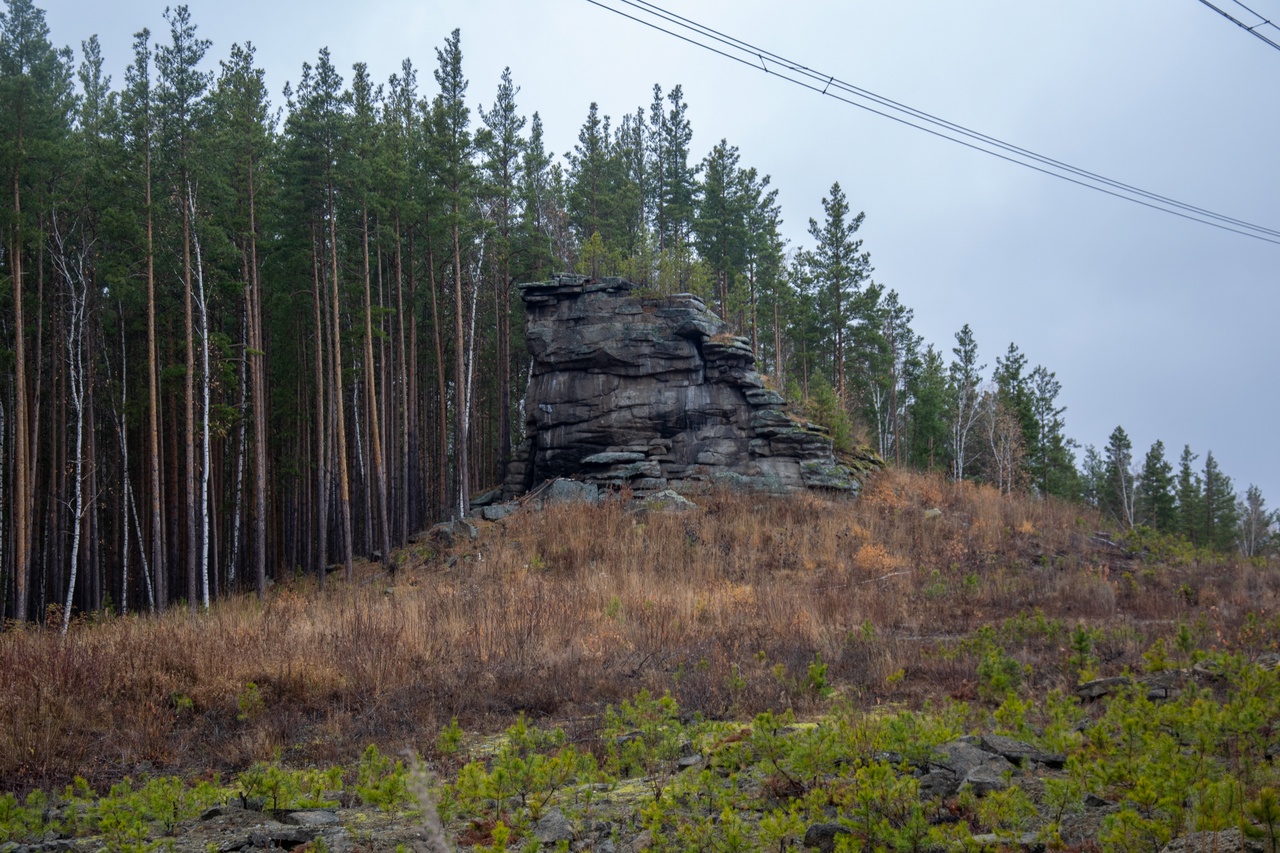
pixel 654 394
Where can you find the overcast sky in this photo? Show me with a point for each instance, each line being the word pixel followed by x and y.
pixel 1160 325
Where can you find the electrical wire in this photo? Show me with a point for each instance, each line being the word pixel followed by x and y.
pixel 1239 23
pixel 755 57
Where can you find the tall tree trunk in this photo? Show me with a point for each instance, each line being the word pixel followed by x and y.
pixel 204 394
pixel 371 400
pixel 403 458
pixel 153 410
pixel 344 480
pixel 443 499
pixel 258 376
pixel 22 490
pixel 459 376
pixel 321 536
pixel 189 413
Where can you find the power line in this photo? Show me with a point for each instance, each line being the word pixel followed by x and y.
pixel 1253 30
pixel 745 53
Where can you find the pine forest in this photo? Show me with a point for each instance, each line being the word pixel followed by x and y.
pixel 246 336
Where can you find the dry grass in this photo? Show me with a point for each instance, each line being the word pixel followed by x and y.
pixel 557 613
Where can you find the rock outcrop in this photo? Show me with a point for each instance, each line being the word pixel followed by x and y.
pixel 654 394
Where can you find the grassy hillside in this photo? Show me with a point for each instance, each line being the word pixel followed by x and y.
pixel 922 590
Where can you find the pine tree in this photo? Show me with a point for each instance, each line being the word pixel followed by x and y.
pixel 1190 494
pixel 451 119
pixel 1156 504
pixel 840 271
pixel 180 106
pixel 1220 517
pixel 1052 465
pixel 1119 494
pixel 35 108
pixel 927 412
pixel 964 378
pixel 503 146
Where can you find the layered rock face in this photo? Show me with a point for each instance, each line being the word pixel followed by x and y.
pixel 654 394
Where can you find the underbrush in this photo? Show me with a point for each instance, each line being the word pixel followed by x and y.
pixel 920 591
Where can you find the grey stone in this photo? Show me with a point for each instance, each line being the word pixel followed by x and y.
pixel 639 843
pixel 973 766
pixel 277 835
pixel 612 458
pixel 311 817
pixel 1226 841
pixel 570 491
pixel 1028 841
pixel 961 757
pixel 667 500
pixel 640 393
pixel 1100 687
pixel 1020 751
pixel 491 496
pixel 938 784
pixel 823 836
pixel 553 828
pixel 497 512
pixel 985 780
pixel 449 533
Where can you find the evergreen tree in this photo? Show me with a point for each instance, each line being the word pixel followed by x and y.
pixel 1093 478
pixel 1156 504
pixel 451 133
pixel 839 271
pixel 1220 516
pixel 1052 463
pixel 720 221
pixel 1190 495
pixel 964 377
pixel 927 411
pixel 1119 494
pixel 35 109
pixel 502 147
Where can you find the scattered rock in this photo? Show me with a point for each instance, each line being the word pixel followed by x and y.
pixel 932 513
pixel 938 784
pixel 490 497
pixel 1226 841
pixel 497 512
pixel 823 836
pixel 277 835
pixel 1100 687
pixel 1028 841
pixel 450 533
pixel 1021 752
pixel 985 780
pixel 971 765
pixel 554 828
pixel 638 844
pixel 311 817
pixel 666 500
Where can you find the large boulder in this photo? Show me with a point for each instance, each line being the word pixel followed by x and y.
pixel 655 393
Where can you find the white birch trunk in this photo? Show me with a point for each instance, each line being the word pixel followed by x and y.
pixel 204 390
pixel 235 515
pixel 73 272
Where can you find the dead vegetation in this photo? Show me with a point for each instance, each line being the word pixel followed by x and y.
pixel 746 604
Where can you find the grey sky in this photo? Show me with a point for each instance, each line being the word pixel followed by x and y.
pixel 1163 326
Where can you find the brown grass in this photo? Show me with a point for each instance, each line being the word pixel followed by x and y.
pixel 559 612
